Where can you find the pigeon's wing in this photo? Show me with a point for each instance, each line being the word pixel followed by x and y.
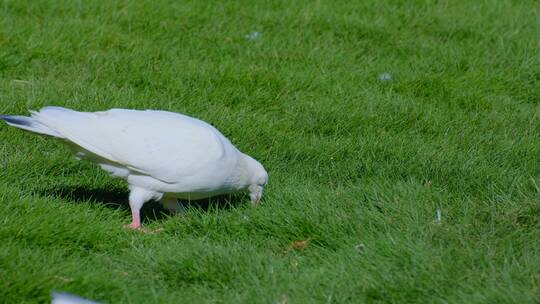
pixel 167 146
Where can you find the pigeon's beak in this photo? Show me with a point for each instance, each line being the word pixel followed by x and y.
pixel 255 193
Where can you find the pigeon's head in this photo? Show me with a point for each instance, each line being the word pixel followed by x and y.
pixel 255 177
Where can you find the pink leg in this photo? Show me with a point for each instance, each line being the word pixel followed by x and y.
pixel 137 198
pixel 135 220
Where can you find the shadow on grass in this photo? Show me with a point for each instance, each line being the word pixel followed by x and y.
pixel 118 199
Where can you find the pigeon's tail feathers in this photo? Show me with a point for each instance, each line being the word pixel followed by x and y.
pixel 29 124
pixel 51 116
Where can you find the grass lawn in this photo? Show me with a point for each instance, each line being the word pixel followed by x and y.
pixel 370 117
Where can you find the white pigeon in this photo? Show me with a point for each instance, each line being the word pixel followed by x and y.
pixel 68 298
pixel 162 155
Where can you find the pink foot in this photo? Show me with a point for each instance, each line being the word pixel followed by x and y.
pixel 142 229
pixel 133 226
pixel 135 220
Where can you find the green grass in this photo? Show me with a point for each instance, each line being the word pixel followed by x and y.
pixel 357 165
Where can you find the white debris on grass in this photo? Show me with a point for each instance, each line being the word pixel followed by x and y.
pixel 385 77
pixel 439 215
pixel 253 35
